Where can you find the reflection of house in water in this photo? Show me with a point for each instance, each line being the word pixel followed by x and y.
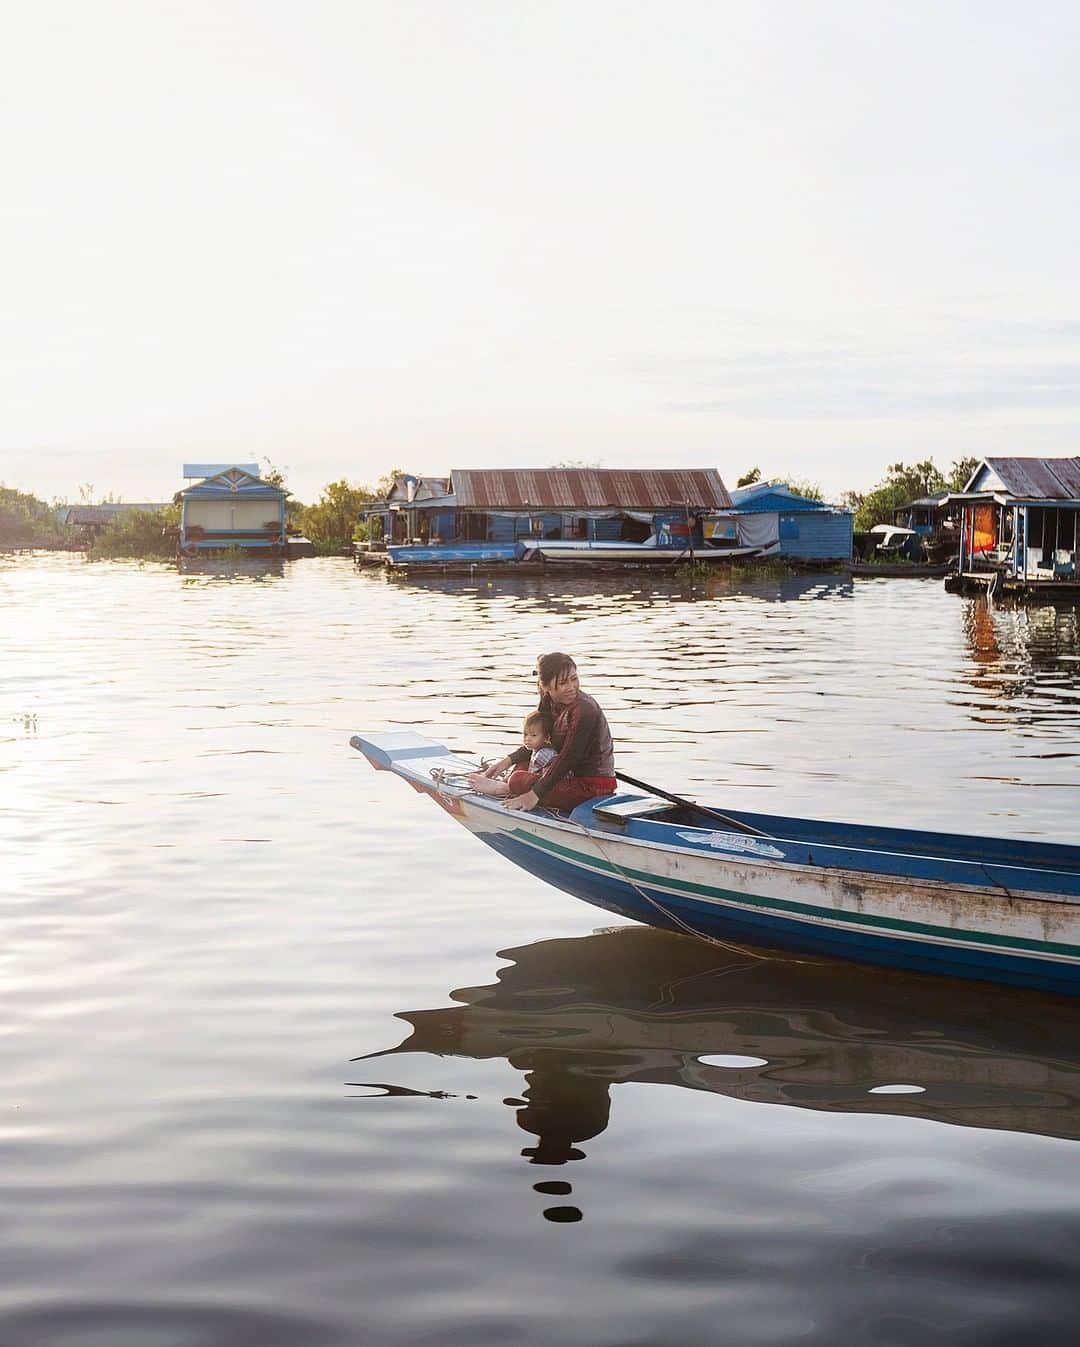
pixel 1018 652
pixel 580 1016
pixel 1019 526
pixel 576 595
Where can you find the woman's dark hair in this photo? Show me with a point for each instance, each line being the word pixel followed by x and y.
pixel 553 667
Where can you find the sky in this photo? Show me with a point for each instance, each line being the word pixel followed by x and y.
pixel 343 236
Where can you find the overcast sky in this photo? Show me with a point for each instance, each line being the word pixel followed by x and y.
pixel 347 235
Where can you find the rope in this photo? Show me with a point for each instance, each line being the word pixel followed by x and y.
pixel 440 776
pixel 655 903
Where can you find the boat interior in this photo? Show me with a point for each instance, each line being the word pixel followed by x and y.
pixel 639 816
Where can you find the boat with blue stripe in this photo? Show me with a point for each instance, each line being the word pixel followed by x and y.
pixel 970 906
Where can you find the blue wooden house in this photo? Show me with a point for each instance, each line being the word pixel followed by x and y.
pixel 230 506
pixel 1019 523
pixel 771 515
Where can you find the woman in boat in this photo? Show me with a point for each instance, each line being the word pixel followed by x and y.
pixel 585 765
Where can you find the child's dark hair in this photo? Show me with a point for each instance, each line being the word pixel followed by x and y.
pixel 533 719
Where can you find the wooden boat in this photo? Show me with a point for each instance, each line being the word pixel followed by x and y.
pixel 899 570
pixel 562 550
pixel 980 907
pixel 445 554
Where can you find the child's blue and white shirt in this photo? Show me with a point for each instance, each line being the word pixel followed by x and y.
pixel 541 758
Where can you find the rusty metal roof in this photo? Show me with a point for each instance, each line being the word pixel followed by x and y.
pixel 588 488
pixel 1039 478
pixel 82 515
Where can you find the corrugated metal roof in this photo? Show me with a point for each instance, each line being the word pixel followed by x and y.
pixel 588 488
pixel 82 515
pixel 1039 478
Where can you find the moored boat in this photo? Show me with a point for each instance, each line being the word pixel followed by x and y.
pixel 561 550
pixel 911 570
pixel 979 907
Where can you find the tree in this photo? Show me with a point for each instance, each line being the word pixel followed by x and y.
pixel 960 472
pixel 331 521
pixel 750 478
pixel 25 521
pixel 139 533
pixel 901 483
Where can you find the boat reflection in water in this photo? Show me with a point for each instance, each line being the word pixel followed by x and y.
pixel 579 1016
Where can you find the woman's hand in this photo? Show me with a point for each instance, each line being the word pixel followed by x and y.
pixel 527 801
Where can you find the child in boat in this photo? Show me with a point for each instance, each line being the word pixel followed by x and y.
pixel 536 737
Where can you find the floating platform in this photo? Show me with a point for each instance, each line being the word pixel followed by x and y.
pixel 1001 583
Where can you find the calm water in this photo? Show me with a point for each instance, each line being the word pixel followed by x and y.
pixel 287 1058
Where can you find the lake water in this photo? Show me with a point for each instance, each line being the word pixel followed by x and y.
pixel 575 1133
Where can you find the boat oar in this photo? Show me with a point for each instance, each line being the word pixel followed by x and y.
pixel 689 804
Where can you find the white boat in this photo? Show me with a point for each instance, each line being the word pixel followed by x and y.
pixel 648 552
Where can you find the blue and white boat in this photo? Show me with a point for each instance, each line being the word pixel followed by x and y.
pixel 978 907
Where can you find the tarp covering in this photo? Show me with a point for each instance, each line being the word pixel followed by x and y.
pixel 759 530
pixel 983 533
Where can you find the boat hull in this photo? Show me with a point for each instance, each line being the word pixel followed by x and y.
pixel 940 913
pixel 641 553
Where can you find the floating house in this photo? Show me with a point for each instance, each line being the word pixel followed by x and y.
pixel 1019 525
pixel 87 521
pixel 399 518
pixel 927 516
pixel 786 524
pixel 485 515
pixel 933 520
pixel 230 506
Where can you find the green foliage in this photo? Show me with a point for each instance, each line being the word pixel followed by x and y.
pixel 331 521
pixel 902 483
pixel 961 471
pixel 764 568
pixel 750 478
pixel 25 521
pixel 150 534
